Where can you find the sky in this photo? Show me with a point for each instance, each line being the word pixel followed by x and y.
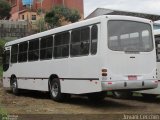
pixel 142 6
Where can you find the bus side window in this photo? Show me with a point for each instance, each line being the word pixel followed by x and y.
pixel 94 39
pixel 85 37
pixel 157 48
pixel 75 42
pixel 46 47
pixel 14 53
pixel 33 53
pixel 6 59
pixel 22 56
pixel 80 41
pixel 61 45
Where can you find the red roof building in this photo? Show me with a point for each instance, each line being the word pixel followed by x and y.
pixel 18 8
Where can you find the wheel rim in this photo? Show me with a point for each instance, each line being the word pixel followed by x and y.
pixel 54 89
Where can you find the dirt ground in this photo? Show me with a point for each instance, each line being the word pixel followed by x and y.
pixel 34 102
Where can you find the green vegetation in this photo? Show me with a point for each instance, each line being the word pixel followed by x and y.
pixel 41 25
pixel 40 11
pixel 1 71
pixel 3 114
pixel 2 43
pixel 60 14
pixel 5 9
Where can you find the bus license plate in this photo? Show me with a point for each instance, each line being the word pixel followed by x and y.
pixel 132 77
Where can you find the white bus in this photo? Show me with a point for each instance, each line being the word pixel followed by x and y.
pixel 155 92
pixel 89 57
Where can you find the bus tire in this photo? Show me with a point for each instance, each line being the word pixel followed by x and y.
pixel 96 97
pixel 122 94
pixel 149 96
pixel 14 86
pixel 55 91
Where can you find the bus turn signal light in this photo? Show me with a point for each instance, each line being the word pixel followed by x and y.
pixel 104 74
pixel 104 70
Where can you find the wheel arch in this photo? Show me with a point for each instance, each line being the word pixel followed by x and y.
pixel 11 78
pixel 52 76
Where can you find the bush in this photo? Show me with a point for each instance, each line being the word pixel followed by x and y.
pixel 1 71
pixel 2 43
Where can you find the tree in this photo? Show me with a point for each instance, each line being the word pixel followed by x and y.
pixel 5 9
pixel 40 11
pixel 60 14
pixel 2 43
pixel 41 26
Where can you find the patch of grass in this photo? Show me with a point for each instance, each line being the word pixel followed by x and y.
pixel 3 114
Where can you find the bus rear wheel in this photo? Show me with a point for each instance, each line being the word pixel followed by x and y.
pixel 14 86
pixel 55 91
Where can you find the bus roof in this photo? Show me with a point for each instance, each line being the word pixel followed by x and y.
pixel 77 25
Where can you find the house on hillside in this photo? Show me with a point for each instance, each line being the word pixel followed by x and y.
pixel 23 9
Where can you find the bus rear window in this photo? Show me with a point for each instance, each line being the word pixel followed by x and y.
pixel 129 36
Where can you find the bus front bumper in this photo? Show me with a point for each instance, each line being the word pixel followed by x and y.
pixel 129 85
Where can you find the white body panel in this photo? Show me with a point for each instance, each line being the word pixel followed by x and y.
pixel 83 74
pixel 80 86
pixel 156 90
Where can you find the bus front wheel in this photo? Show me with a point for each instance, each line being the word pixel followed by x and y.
pixel 14 86
pixel 55 91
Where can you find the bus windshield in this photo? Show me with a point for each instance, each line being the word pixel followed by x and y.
pixel 129 36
